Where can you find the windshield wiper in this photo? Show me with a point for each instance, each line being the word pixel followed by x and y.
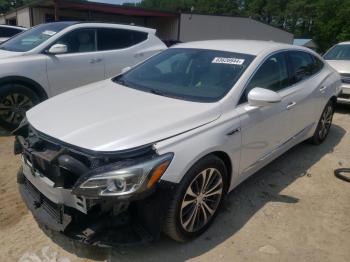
pixel 160 93
pixel 121 82
pixel 157 92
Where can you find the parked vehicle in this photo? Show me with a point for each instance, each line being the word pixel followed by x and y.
pixel 53 58
pixel 8 31
pixel 171 42
pixel 339 58
pixel 158 147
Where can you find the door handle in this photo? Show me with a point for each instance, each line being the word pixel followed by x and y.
pixel 323 89
pixel 291 105
pixel 95 60
pixel 234 131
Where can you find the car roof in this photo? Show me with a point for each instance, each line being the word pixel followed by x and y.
pixel 344 43
pixel 251 47
pixel 117 26
pixel 15 27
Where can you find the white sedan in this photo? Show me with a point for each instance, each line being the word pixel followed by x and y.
pixel 166 140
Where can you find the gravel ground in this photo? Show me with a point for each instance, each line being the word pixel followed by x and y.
pixel 292 210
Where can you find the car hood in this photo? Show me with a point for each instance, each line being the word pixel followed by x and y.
pixel 7 54
pixel 105 116
pixel 342 66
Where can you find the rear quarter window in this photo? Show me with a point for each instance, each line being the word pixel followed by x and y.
pixel 303 65
pixel 113 39
pixel 8 32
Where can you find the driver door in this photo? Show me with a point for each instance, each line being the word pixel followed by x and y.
pixel 264 129
pixel 82 64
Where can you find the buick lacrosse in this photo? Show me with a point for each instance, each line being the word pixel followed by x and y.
pixel 157 148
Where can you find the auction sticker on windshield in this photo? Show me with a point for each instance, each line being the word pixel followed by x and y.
pixel 49 33
pixel 228 60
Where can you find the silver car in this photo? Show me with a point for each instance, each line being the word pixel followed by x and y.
pixel 159 146
pixel 339 58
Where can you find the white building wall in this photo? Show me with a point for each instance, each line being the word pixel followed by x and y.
pixel 195 27
pixel 23 17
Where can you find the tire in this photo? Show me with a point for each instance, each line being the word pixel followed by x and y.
pixel 177 223
pixel 15 100
pixel 324 125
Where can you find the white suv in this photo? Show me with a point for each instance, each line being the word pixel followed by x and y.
pixel 8 31
pixel 52 58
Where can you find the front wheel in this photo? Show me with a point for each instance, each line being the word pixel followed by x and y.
pixel 324 124
pixel 15 100
pixel 197 199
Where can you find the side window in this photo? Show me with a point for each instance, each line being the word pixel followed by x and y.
pixel 79 41
pixel 8 32
pixel 113 39
pixel 303 65
pixel 272 74
pixel 318 65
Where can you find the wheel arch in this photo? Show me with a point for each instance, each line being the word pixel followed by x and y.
pixel 333 99
pixel 222 156
pixel 228 164
pixel 36 87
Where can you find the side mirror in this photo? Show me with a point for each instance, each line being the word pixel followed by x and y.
pixel 125 69
pixel 58 49
pixel 263 97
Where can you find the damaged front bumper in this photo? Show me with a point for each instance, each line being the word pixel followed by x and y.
pixel 103 224
pixel 46 183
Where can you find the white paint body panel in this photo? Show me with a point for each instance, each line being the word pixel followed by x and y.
pixel 342 67
pixel 60 73
pixel 107 117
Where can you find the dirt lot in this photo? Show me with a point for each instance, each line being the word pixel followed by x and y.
pixel 292 210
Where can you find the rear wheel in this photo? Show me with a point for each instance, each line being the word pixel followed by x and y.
pixel 324 124
pixel 15 100
pixel 197 199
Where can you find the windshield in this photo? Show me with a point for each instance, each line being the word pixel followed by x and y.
pixel 338 52
pixel 190 74
pixel 33 37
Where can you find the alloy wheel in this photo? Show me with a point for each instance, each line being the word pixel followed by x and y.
pixel 201 200
pixel 326 122
pixel 14 106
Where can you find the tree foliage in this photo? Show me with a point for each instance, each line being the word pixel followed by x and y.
pixel 326 21
pixel 6 5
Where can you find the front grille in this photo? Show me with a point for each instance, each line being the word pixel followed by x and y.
pixel 51 208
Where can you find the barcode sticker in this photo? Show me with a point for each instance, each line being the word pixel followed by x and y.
pixel 49 32
pixel 228 60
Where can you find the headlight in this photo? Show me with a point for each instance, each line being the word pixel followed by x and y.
pixel 123 178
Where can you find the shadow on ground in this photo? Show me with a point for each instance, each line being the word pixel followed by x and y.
pixel 343 109
pixel 240 206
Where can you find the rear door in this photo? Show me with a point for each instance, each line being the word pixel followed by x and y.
pixel 82 64
pixel 122 48
pixel 306 97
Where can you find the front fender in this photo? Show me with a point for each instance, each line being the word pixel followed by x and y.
pixel 190 147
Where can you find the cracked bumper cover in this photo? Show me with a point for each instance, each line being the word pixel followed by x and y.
pixel 139 224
